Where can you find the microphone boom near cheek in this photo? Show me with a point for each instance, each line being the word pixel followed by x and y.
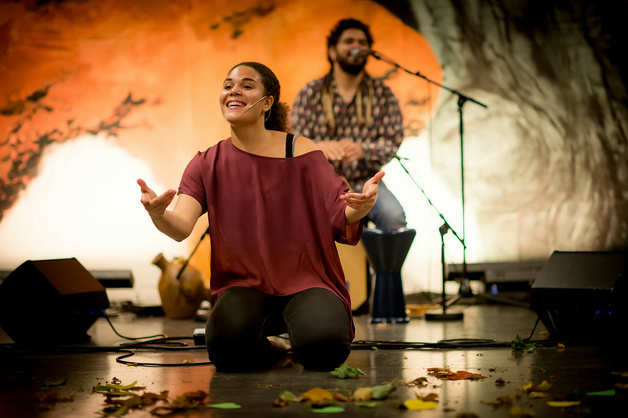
pixel 256 102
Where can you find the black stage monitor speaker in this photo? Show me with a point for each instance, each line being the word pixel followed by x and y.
pixel 583 296
pixel 50 302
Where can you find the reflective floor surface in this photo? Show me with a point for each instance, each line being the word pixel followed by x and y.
pixel 59 383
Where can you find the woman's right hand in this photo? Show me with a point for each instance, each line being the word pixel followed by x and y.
pixel 155 205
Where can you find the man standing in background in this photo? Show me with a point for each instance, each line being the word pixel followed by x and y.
pixel 354 119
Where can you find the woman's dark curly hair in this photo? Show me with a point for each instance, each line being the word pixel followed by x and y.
pixel 278 118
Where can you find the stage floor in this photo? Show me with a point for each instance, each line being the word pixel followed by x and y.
pixel 511 383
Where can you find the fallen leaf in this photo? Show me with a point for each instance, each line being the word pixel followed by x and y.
pixel 189 400
pixel 544 386
pixel 49 383
pixel 610 392
pixel 344 372
pixel 518 412
pixel 446 374
pixel 536 395
pixel 563 404
pixel 341 398
pixel 500 400
pixel 382 391
pixel 439 372
pixel 430 397
pixel 328 410
pixel 225 405
pixel 419 381
pixel 284 399
pixel 419 404
pixel 317 395
pixel 519 344
pixel 500 382
pixel 117 388
pixel 362 394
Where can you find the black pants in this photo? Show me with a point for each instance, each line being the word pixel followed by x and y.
pixel 241 320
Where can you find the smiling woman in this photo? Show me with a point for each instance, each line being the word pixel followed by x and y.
pixel 275 208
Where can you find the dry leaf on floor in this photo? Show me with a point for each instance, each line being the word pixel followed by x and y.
pixel 446 374
pixel 362 394
pixel 563 404
pixel 518 412
pixel 430 397
pixel 284 399
pixel 49 383
pixel 501 400
pixel 345 372
pixel 419 404
pixel 544 386
pixel 317 395
pixel 419 381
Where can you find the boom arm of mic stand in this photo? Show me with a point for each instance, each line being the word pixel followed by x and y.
pixel 446 226
pixel 461 97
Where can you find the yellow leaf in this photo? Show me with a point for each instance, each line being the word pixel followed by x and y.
pixel 518 412
pixel 418 404
pixel 317 395
pixel 563 404
pixel 535 395
pixel 362 395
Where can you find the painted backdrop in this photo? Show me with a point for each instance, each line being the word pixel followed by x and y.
pixel 98 93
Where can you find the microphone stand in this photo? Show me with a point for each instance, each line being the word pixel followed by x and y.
pixel 462 99
pixel 443 229
pixel 191 254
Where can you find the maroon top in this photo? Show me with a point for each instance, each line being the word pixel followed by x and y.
pixel 272 221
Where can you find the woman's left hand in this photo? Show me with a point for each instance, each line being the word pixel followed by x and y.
pixel 365 200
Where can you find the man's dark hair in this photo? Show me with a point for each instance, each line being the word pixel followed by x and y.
pixel 343 25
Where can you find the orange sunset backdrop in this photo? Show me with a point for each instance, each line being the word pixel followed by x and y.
pixel 141 79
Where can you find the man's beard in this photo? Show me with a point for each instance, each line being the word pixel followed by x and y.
pixel 351 67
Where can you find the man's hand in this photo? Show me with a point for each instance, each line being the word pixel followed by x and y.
pixel 155 205
pixel 352 151
pixel 332 150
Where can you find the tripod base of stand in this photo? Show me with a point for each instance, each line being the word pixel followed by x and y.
pixel 443 316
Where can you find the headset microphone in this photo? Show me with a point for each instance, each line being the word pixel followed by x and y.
pixel 250 106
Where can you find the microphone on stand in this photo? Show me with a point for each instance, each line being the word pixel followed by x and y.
pixel 360 52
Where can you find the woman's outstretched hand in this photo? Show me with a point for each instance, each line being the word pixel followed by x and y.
pixel 365 200
pixel 360 204
pixel 155 205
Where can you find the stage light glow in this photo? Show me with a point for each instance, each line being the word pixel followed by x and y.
pixel 84 203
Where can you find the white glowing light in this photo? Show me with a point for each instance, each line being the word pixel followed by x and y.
pixel 84 203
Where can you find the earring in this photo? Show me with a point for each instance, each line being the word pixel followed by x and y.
pixel 268 115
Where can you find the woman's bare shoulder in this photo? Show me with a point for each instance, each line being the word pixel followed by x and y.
pixel 304 145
